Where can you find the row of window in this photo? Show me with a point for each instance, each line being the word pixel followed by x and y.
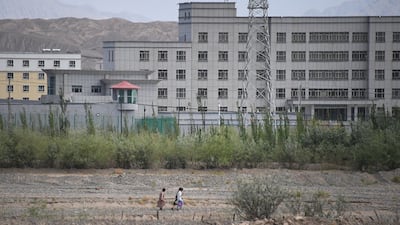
pixel 203 93
pixel 203 74
pixel 301 37
pixel 334 75
pixel 25 88
pixel 94 89
pixel 261 56
pixel 25 76
pixel 340 93
pixel 205 109
pixel 334 56
pixel 313 93
pixel 335 37
pixel 40 63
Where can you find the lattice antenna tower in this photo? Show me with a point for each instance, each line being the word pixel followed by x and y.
pixel 258 51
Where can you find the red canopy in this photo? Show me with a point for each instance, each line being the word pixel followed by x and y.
pixel 124 85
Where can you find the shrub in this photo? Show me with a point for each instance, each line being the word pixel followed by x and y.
pixel 257 199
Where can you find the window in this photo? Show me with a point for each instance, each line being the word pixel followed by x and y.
pixel 223 37
pixel 242 56
pixel 280 93
pixel 181 108
pixel 10 62
pixel 359 74
pixel 360 37
pixel 180 56
pixel 111 55
pixel 96 89
pixel 26 98
pixel 379 93
pixel 243 109
pixel 242 37
pixel 281 37
pixel 202 74
pixel 181 93
pixel 299 56
pixel 223 109
pixel 144 56
pixel 379 74
pixel 281 75
pixel 298 37
pixel 241 75
pixel 162 93
pixel 359 55
pixel 162 56
pixel 223 93
pixel 181 74
pixel 260 93
pixel 25 63
pixel 10 76
pixel 294 93
pixel 162 108
pixel 25 76
pixel 329 56
pixel 298 74
pixel 281 56
pixel 223 56
pixel 41 63
pixel 72 64
pixel 242 93
pixel 280 109
pixel 41 88
pixel 261 74
pixel 76 88
pixel 359 93
pixel 396 36
pixel 202 93
pixel 222 74
pixel 203 37
pixel 261 56
pixel 25 88
pixel 262 37
pixel 380 37
pixel 396 93
pixel 379 55
pixel 396 55
pixel 396 75
pixel 10 88
pixel 56 63
pixel 328 93
pixel 202 109
pixel 162 74
pixel 203 56
pixel 329 37
pixel 328 75
pixel 41 76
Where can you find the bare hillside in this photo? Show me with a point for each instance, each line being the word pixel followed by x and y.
pixel 79 35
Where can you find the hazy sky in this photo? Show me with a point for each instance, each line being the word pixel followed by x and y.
pixel 166 10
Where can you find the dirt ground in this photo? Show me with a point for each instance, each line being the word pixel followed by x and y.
pixel 114 196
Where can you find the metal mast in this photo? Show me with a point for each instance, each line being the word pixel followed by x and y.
pixel 257 71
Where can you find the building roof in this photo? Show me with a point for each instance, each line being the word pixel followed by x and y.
pixel 125 85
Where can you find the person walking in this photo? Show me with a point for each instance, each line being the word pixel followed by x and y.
pixel 179 198
pixel 161 199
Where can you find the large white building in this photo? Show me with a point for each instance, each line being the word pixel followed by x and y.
pixel 341 65
pixel 22 76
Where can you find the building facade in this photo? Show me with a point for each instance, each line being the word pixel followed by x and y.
pixel 22 76
pixel 332 68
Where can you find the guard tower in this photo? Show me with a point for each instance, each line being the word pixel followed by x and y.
pixel 126 94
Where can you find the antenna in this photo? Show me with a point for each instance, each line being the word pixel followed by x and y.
pixel 258 52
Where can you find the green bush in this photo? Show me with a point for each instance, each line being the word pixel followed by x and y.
pixel 257 199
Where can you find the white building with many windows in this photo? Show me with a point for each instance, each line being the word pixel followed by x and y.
pixel 22 76
pixel 332 68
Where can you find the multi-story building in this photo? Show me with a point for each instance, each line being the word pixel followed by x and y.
pixel 22 76
pixel 332 68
